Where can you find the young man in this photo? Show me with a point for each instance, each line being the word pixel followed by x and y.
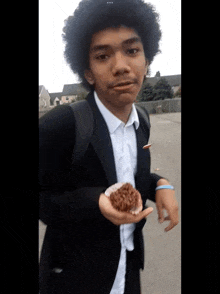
pixel 89 247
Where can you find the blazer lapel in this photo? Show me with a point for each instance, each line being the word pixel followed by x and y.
pixel 102 145
pixel 101 142
pixel 143 157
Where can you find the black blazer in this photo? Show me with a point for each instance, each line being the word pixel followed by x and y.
pixel 79 239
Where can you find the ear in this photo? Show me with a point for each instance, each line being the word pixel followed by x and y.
pixel 146 66
pixel 89 76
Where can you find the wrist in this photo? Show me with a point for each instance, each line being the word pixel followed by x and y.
pixel 162 182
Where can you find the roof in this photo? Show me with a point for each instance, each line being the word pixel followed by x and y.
pixel 72 89
pixel 54 95
pixel 173 80
pixel 40 89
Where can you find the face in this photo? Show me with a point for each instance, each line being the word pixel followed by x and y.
pixel 117 65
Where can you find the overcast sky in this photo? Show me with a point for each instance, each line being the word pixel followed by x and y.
pixel 53 70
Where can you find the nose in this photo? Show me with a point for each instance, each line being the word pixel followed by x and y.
pixel 120 64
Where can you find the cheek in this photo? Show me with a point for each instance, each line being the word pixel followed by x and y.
pixel 101 75
pixel 140 68
pixel 140 63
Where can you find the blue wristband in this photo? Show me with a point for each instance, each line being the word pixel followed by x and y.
pixel 165 187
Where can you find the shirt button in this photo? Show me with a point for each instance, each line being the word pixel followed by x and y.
pixel 57 270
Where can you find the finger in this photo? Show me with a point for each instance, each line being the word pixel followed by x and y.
pixel 174 219
pixel 130 218
pixel 168 228
pixel 143 214
pixel 160 213
pixel 171 226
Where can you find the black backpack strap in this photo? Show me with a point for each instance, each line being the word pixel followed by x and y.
pixel 83 128
pixel 144 118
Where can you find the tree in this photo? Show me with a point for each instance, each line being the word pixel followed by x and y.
pixel 147 93
pixel 162 90
pixel 157 74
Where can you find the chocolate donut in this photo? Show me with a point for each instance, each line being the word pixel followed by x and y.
pixel 125 198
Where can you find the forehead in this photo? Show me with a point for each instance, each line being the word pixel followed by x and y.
pixel 114 37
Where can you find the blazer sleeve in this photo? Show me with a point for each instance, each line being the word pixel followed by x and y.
pixel 154 178
pixel 59 199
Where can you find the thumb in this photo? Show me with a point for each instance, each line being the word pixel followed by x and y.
pixel 145 212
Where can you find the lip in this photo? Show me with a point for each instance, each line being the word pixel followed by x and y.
pixel 124 85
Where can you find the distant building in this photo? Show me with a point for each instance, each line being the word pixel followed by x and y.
pixel 55 98
pixel 173 80
pixel 71 92
pixel 44 98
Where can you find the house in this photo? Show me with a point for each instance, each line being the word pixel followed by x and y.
pixel 55 98
pixel 44 98
pixel 71 92
pixel 173 80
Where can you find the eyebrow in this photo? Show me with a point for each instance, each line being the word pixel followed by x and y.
pixel 132 40
pixel 105 47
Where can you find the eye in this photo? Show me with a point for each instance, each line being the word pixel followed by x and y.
pixel 102 57
pixel 133 51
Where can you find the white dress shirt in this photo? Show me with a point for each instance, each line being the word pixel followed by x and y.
pixel 123 138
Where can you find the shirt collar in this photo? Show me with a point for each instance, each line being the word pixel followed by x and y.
pixel 112 121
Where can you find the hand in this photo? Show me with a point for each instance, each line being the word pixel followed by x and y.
pixel 165 199
pixel 118 217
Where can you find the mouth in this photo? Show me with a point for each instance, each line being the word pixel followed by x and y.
pixel 124 85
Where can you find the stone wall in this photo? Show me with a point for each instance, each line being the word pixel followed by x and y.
pixel 162 106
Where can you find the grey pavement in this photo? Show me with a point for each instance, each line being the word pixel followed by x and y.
pixel 162 273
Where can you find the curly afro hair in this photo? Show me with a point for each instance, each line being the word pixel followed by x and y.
pixel 92 16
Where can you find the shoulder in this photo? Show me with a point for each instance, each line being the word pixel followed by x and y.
pixel 141 109
pixel 60 114
pixel 143 115
pixel 57 122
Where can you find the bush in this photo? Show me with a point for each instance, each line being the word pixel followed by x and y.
pixel 147 93
pixel 160 91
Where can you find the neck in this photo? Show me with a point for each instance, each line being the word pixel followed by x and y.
pixel 122 112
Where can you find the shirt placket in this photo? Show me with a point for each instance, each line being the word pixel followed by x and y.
pixel 127 176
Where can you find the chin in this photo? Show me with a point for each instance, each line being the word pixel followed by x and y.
pixel 119 99
pixel 126 98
